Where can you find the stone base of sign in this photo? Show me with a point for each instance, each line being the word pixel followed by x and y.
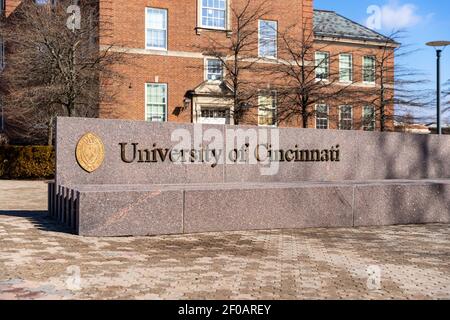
pixel 139 210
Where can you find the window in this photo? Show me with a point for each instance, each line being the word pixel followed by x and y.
pixel 42 2
pixel 267 108
pixel 214 69
pixel 2 6
pixel 214 113
pixel 369 69
pixel 345 68
pixel 369 118
pixel 214 13
pixel 322 116
pixel 155 101
pixel 156 29
pixel 345 118
pixel 322 65
pixel 267 39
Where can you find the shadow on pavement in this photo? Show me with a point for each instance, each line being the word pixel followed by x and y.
pixel 39 218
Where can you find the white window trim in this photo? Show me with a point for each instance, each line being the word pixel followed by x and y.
pixel 375 71
pixel 316 67
pixel 146 30
pixel 261 93
pixel 328 115
pixel 200 20
pixel 259 40
pixel 205 68
pixel 351 68
pixel 351 111
pixel 146 100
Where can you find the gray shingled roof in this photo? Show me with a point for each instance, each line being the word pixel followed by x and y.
pixel 331 24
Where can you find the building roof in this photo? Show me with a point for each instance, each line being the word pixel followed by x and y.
pixel 332 24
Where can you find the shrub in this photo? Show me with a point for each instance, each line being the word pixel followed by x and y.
pixel 27 162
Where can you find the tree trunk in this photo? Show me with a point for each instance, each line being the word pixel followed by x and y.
pixel 70 109
pixel 304 120
pixel 50 132
pixel 304 111
pixel 382 110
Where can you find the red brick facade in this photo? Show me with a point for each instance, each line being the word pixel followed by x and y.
pixel 181 66
pixel 10 6
pixel 358 51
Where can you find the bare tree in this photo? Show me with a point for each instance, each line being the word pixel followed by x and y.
pixel 54 66
pixel 238 53
pixel 305 76
pixel 447 97
pixel 395 84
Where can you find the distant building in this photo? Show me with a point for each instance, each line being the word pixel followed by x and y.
pixel 412 128
pixel 433 128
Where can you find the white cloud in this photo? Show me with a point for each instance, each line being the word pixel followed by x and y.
pixel 394 15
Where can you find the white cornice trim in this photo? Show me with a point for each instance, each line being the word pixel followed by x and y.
pixel 168 53
pixel 356 42
pixel 185 54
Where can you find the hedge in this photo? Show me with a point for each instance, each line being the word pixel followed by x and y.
pixel 27 162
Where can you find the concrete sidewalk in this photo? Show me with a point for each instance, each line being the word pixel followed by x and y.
pixel 21 194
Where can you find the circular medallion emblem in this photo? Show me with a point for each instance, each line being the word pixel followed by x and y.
pixel 90 152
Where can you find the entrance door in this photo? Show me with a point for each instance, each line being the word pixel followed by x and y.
pixel 214 116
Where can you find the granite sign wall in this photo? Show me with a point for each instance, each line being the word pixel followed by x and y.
pixel 119 177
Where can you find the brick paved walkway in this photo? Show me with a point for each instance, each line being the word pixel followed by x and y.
pixel 38 260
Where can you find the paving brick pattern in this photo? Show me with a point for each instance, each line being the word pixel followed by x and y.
pixel 39 260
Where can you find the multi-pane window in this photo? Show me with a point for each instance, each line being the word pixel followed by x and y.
pixel 42 2
pixel 214 113
pixel 322 65
pixel 368 118
pixel 268 38
pixel 214 69
pixel 369 69
pixel 267 108
pixel 345 118
pixel 322 116
pixel 214 13
pixel 156 28
pixel 345 68
pixel 155 102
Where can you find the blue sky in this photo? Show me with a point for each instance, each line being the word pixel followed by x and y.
pixel 423 21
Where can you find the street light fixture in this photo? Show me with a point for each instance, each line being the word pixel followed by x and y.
pixel 439 46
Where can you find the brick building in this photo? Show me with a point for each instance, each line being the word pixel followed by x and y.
pixel 170 79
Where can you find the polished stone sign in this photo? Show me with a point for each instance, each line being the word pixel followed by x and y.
pixel 117 177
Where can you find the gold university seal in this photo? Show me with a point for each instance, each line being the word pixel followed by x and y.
pixel 90 152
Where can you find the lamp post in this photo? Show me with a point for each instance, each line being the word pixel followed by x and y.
pixel 439 46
